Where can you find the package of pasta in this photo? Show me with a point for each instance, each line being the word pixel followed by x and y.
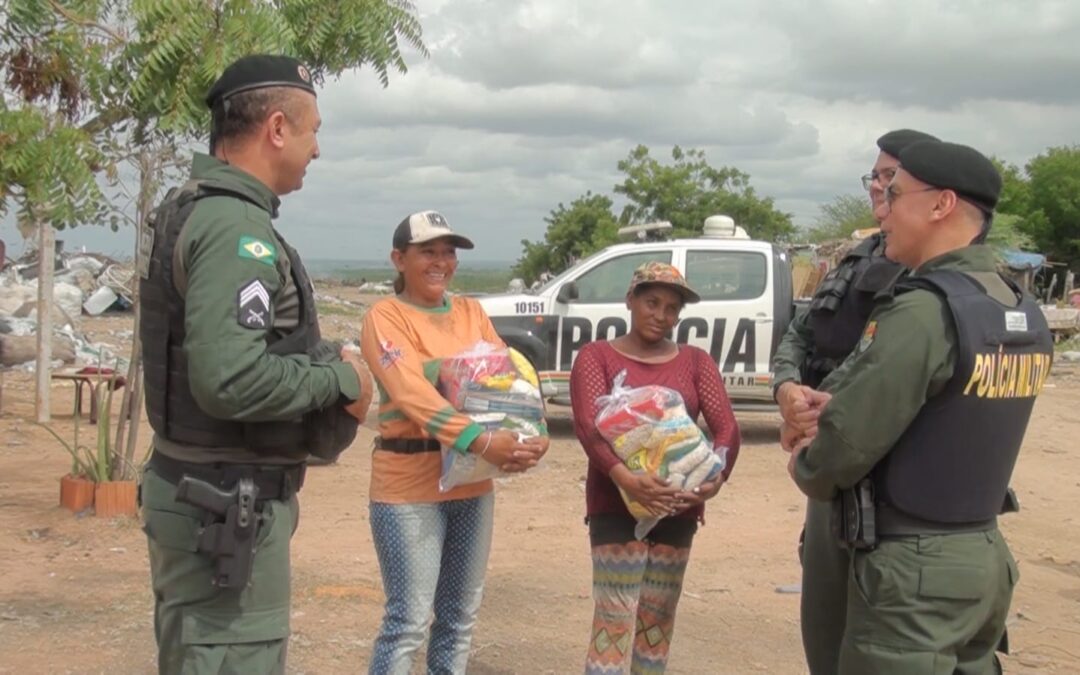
pixel 499 390
pixel 488 379
pixel 651 432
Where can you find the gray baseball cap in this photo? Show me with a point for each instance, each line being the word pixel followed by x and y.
pixel 426 226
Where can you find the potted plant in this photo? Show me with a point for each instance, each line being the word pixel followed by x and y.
pixel 100 475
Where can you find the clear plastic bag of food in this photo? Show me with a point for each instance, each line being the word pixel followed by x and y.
pixel 651 432
pixel 499 390
pixel 462 468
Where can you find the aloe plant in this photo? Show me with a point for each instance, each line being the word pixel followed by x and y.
pixel 98 463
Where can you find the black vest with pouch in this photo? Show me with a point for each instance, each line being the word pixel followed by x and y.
pixel 172 410
pixel 953 463
pixel 842 304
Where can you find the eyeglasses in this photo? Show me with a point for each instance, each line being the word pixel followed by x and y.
pixel 884 176
pixel 891 194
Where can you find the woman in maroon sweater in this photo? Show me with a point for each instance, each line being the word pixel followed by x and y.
pixel 637 584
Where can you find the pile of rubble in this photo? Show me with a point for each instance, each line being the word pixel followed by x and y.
pixel 84 284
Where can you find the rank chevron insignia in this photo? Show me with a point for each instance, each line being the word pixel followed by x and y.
pixel 253 305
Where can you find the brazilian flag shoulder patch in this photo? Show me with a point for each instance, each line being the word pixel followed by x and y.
pixel 257 249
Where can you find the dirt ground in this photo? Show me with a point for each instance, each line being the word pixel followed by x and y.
pixel 74 589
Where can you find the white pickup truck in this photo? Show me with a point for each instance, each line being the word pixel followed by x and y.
pixel 746 304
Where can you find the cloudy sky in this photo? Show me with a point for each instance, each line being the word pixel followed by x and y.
pixel 525 104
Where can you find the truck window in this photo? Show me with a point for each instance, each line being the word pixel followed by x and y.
pixel 726 275
pixel 608 281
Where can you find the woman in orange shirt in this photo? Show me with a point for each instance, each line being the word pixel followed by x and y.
pixel 432 546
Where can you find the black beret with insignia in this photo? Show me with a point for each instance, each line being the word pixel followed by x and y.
pixel 951 166
pixel 256 71
pixel 894 142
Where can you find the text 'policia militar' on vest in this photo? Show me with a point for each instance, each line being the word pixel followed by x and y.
pixel 999 375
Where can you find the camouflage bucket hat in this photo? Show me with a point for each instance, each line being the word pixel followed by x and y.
pixel 663 274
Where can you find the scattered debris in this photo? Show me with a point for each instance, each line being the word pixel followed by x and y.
pixel 85 283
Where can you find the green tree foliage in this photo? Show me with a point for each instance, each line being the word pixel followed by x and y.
pixel 689 190
pixel 573 232
pixel 89 81
pixel 840 217
pixel 1006 233
pixel 684 193
pixel 53 74
pixel 183 45
pixel 1015 192
pixel 1054 217
pixel 1039 208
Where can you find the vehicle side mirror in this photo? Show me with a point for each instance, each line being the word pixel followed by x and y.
pixel 568 293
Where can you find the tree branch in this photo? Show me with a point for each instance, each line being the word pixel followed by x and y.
pixel 86 23
pixel 103 121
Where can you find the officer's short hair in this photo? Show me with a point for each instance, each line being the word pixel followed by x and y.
pixel 242 113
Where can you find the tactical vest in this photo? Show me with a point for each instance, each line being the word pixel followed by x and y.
pixel 171 408
pixel 842 304
pixel 953 463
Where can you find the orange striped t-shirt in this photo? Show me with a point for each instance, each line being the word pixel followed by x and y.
pixel 404 345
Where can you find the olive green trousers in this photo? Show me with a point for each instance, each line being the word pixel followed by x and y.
pixel 928 604
pixel 201 628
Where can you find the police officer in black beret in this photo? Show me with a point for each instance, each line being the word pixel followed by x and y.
pixel 816 342
pixel 240 387
pixel 925 423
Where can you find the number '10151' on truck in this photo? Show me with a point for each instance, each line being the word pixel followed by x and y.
pixel 746 305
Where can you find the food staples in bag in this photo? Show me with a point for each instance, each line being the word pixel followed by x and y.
pixel 651 432
pixel 499 390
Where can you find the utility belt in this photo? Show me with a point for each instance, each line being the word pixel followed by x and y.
pixel 859 522
pixel 275 482
pixel 407 446
pixel 231 497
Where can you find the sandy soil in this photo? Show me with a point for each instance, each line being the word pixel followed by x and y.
pixel 75 598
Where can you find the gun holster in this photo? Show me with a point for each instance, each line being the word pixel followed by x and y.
pixel 854 517
pixel 230 528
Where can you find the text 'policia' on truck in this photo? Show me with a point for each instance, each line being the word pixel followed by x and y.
pixel 746 304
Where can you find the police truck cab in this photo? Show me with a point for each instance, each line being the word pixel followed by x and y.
pixel 746 304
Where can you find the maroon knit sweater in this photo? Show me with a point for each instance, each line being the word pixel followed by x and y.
pixel 692 373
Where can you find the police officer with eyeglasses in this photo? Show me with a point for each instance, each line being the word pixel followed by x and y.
pixel 922 426
pixel 816 342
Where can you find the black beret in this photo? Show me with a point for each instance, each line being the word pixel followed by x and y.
pixel 952 166
pixel 894 142
pixel 256 71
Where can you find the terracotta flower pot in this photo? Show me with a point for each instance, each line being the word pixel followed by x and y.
pixel 115 498
pixel 76 493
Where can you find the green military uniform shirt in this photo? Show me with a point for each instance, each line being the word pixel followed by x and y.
pixel 793 350
pixel 225 245
pixel 905 357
